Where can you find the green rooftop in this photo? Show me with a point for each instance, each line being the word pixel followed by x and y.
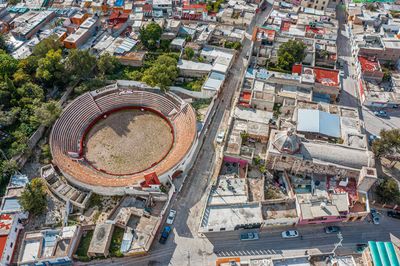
pixel 383 254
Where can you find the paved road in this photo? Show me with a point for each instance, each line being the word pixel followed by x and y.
pixel 349 95
pixel 184 247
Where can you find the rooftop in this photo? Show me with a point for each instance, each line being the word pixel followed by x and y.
pixel 317 121
pixel 327 77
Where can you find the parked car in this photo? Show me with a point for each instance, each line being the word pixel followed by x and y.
pixel 249 236
pixel 171 217
pixel 220 137
pixel 165 234
pixel 361 247
pixel 375 216
pixel 381 113
pixel 372 138
pixel 332 229
pixel 393 214
pixel 290 234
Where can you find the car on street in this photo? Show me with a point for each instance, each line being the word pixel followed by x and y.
pixel 290 234
pixel 332 229
pixel 372 138
pixel 375 216
pixel 165 234
pixel 361 247
pixel 393 214
pixel 249 236
pixel 171 217
pixel 381 113
pixel 220 137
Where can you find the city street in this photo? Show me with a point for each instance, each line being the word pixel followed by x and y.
pixel 349 95
pixel 186 247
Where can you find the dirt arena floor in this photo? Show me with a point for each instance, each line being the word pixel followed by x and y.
pixel 128 141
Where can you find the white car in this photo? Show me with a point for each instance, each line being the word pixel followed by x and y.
pixel 290 234
pixel 220 137
pixel 171 217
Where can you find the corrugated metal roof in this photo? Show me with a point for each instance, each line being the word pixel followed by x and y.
pixel 316 121
pixel 11 204
pixel 125 46
pixel 383 254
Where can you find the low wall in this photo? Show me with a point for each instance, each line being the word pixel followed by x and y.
pixel 194 94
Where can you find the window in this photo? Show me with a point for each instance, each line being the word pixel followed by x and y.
pixel 15 230
pixel 283 158
pixel 11 245
pixel 8 257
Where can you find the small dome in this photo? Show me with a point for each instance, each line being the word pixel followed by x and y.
pixel 287 141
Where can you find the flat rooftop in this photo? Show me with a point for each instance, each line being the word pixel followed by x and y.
pixel 231 216
pixel 229 191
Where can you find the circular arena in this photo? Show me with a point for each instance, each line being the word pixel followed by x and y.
pixel 108 140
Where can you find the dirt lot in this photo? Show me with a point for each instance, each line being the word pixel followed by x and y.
pixel 128 142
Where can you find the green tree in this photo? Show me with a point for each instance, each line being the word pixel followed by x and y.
pixel 33 198
pixel 107 64
pixel 43 47
pixel 163 72
pixel 19 145
pixel 20 77
pixel 8 118
pixel 388 191
pixel 150 35
pixel 286 61
pixel 51 69
pixel 80 64
pixel 289 53
pixel 8 64
pixel 28 93
pixel 189 53
pixel 388 146
pixel 134 75
pixel 47 113
pixel 13 2
pixel 3 44
pixel 8 167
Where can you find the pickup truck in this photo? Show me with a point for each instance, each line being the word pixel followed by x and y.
pixel 249 236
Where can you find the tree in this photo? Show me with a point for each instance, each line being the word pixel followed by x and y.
pixel 33 198
pixel 163 72
pixel 20 77
pixel 28 93
pixel 286 61
pixel 3 44
pixel 107 64
pixel 8 64
pixel 388 146
pixel 189 53
pixel 150 35
pixel 8 118
pixel 47 113
pixel 388 191
pixel 80 63
pixel 289 53
pixel 43 47
pixel 13 2
pixel 8 168
pixel 50 68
